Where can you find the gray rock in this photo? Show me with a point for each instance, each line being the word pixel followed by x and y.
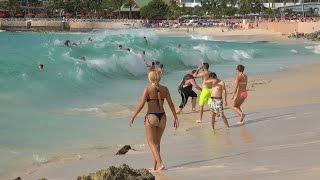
pixel 315 36
pixel 123 172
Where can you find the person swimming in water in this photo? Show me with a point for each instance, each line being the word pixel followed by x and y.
pixel 145 40
pixel 185 90
pixel 218 98
pixel 121 47
pixel 41 67
pixel 83 58
pixel 155 119
pixel 240 92
pixel 67 43
pixel 161 69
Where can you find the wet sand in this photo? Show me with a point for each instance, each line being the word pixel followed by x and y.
pixel 280 140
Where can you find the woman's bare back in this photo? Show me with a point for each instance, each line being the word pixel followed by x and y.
pixel 153 100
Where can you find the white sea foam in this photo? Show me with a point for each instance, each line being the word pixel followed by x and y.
pixel 24 76
pixel 40 159
pixel 316 49
pixel 200 37
pixel 108 109
pixel 294 51
pixel 57 42
pixel 309 47
pixel 240 55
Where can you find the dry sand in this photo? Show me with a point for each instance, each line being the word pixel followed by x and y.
pixel 280 140
pixel 221 33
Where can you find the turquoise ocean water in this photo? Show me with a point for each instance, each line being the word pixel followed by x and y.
pixel 77 106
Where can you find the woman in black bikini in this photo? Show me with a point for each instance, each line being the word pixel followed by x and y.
pixel 155 119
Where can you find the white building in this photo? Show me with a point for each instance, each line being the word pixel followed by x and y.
pixel 274 4
pixel 190 3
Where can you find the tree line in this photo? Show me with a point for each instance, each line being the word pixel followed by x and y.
pixel 156 9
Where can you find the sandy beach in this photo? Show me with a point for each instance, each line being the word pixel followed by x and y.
pixel 221 33
pixel 280 139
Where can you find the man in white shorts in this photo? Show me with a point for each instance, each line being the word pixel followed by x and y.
pixel 218 88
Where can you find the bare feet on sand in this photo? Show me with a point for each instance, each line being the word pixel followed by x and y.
pixel 242 118
pixel 198 121
pixel 161 168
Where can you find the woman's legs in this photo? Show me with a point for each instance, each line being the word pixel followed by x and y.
pixel 160 130
pixel 236 107
pixel 154 131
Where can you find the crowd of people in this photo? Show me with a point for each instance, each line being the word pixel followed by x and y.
pixel 213 92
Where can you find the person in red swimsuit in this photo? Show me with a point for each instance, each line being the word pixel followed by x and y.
pixel 240 92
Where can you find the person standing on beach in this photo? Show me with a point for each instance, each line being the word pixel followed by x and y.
pixel 206 88
pixel 155 119
pixel 218 100
pixel 185 90
pixel 240 92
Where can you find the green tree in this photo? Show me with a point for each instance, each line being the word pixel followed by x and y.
pixel 156 9
pixel 14 7
pixel 174 10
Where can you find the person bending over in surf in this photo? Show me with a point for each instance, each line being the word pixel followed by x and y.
pixel 240 92
pixel 185 90
pixel 217 100
pixel 203 72
pixel 155 119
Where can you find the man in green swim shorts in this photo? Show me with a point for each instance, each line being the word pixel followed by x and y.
pixel 205 96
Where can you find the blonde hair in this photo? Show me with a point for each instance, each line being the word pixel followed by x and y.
pixel 155 77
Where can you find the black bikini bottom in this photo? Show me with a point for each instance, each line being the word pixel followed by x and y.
pixel 159 116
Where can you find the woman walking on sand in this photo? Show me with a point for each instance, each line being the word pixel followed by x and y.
pixel 155 119
pixel 240 93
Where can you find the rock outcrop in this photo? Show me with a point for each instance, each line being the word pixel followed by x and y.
pixel 315 36
pixel 123 172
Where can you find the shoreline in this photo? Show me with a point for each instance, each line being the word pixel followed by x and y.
pixel 191 132
pixel 94 162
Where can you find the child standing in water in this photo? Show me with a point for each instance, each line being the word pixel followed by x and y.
pixel 218 99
